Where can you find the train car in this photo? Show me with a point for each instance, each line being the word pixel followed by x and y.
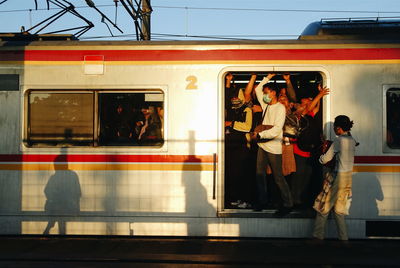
pixel 128 138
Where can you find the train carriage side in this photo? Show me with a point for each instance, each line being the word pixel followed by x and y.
pixel 67 169
pixel 66 148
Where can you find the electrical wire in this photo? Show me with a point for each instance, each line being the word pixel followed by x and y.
pixel 277 10
pixel 235 9
pixel 51 8
pixel 223 37
pixel 168 36
pixel 107 36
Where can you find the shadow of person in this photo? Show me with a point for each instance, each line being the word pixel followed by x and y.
pixel 63 193
pixel 197 206
pixel 367 191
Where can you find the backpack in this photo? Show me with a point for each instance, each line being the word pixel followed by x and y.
pixel 291 128
pixel 308 139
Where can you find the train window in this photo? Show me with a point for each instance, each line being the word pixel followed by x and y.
pixel 94 118
pixel 131 119
pixel 9 82
pixel 60 118
pixel 393 118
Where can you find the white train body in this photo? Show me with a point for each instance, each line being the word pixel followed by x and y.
pixel 177 188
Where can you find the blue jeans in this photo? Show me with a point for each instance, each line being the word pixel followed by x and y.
pixel 275 162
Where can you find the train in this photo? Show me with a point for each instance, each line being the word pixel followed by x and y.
pixel 60 97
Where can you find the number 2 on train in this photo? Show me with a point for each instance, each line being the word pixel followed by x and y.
pixel 192 80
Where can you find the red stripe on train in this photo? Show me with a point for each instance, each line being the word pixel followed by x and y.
pixel 204 55
pixel 105 158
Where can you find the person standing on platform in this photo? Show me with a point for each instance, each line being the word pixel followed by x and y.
pixel 337 187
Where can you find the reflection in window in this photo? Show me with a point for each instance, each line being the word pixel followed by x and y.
pixel 132 118
pixel 393 118
pixel 60 118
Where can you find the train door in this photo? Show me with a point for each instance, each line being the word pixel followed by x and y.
pixel 242 114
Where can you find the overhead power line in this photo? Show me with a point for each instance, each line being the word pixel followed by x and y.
pixel 160 36
pixel 140 14
pixel 278 10
pixel 51 8
pixel 234 9
pixel 225 37
pixel 64 8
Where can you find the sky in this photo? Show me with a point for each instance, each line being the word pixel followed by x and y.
pixel 197 19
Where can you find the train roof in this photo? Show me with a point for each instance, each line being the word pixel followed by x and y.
pixel 353 28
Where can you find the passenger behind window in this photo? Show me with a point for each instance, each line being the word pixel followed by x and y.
pixel 160 113
pixel 120 127
pixel 148 127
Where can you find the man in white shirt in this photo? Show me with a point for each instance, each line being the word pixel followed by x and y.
pixel 270 146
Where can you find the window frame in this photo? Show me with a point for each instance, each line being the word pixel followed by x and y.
pixel 97 114
pixel 96 120
pixel 28 121
pixel 385 147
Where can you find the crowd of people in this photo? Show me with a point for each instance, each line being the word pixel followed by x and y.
pixel 288 151
pixel 274 147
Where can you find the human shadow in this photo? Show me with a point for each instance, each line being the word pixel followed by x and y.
pixel 367 191
pixel 63 193
pixel 197 206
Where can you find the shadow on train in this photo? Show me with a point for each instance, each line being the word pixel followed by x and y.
pixel 63 194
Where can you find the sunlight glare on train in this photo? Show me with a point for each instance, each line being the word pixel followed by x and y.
pixel 159 228
pixel 226 229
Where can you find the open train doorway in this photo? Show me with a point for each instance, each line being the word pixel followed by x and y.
pixel 243 112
